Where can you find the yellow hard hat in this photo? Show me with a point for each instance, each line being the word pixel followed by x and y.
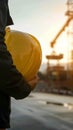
pixel 26 52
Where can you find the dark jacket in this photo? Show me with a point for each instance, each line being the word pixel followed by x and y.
pixel 12 83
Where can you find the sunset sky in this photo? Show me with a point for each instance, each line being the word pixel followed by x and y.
pixel 42 18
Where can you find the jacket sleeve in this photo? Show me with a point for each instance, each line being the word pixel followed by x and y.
pixel 12 82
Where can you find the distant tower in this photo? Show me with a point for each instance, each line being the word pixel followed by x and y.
pixel 69 13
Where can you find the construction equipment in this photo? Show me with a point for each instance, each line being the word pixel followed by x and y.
pixel 60 78
pixel 61 30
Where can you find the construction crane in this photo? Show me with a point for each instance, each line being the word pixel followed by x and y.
pixel 69 14
pixel 59 77
pixel 61 30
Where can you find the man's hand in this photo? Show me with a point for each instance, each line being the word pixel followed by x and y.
pixel 33 82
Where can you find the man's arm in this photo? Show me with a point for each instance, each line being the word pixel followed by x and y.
pixel 12 82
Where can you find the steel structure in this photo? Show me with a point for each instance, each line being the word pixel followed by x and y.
pixel 59 77
pixel 68 25
pixel 69 13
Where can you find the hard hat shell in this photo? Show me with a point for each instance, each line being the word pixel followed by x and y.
pixel 26 52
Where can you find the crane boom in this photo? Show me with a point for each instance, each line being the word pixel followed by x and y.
pixel 61 30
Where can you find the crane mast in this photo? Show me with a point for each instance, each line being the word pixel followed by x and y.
pixel 69 13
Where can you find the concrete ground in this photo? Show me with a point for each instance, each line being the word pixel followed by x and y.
pixel 42 111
